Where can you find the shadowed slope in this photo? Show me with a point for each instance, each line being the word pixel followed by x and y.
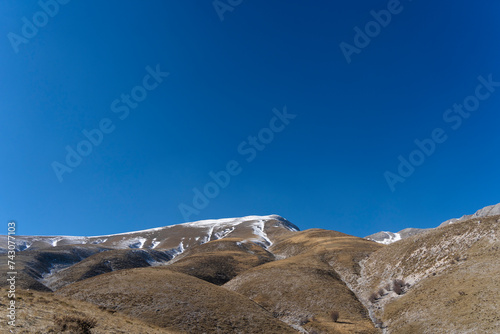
pixel 106 262
pixel 33 265
pixel 221 260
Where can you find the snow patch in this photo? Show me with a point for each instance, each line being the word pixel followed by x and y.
pixel 133 243
pixel 224 233
pixel 258 230
pixel 176 251
pixel 99 241
pixel 154 243
pixel 391 237
pixel 230 221
pixel 22 245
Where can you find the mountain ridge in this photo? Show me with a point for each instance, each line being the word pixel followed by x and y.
pixel 260 274
pixel 50 262
pixel 171 236
pixel 387 237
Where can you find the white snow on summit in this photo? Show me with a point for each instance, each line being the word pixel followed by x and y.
pixel 391 237
pixel 199 232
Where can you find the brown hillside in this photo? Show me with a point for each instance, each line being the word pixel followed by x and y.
pixel 40 312
pixel 305 288
pixel 170 299
pixel 453 274
pixel 33 265
pixel 105 262
pixel 221 260
pixel 340 251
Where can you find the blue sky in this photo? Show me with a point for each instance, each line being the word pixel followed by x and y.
pixel 325 168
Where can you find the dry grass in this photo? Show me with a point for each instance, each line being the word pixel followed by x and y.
pixel 32 264
pixel 105 262
pixel 220 261
pixel 43 312
pixel 74 324
pixel 454 280
pixel 445 280
pixel 170 299
pixel 306 287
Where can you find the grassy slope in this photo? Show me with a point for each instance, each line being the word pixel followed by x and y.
pixel 305 287
pixel 104 262
pixel 32 264
pixel 221 260
pixel 454 272
pixel 170 299
pixel 36 312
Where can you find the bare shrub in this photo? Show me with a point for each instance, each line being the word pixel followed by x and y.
pixel 334 316
pixel 75 324
pixel 373 298
pixel 388 287
pixel 398 286
pixel 380 292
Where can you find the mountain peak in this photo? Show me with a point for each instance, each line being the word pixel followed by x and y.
pixel 240 220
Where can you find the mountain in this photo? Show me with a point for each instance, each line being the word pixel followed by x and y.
pixel 446 280
pixel 170 299
pixel 229 285
pixel 260 274
pixel 309 282
pixel 261 229
pixel 390 237
pixel 46 263
pixel 386 238
pixel 41 312
pixel 488 211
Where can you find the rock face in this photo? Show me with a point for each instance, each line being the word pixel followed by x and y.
pixel 386 238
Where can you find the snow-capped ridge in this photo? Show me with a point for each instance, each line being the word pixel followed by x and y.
pixel 176 237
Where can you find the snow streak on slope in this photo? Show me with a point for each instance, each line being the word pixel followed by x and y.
pixel 154 243
pixel 258 230
pixel 252 228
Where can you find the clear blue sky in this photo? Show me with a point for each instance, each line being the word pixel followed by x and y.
pixel 324 169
